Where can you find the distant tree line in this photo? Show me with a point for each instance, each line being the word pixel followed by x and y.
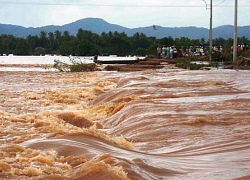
pixel 86 43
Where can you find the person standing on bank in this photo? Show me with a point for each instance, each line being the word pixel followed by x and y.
pixel 164 51
pixel 175 52
pixel 159 52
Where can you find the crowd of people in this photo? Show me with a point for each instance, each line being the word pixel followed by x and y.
pixel 171 52
pixel 241 48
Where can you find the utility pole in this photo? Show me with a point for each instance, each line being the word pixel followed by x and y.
pixel 235 31
pixel 211 33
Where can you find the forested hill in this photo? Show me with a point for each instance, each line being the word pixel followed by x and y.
pixel 97 25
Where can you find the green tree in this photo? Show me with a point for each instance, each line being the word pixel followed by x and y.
pixel 22 47
pixel 51 43
pixel 8 44
pixel 119 44
pixel 32 42
pixel 139 42
pixel 58 38
pixel 4 44
pixel 195 42
pixel 88 43
pixel 141 52
pixel 86 48
pixel 43 40
pixel 152 49
pixel 65 48
pixel 219 41
pixel 203 42
pixel 104 43
pixel 243 40
pixel 167 41
pixel 65 43
pixel 183 42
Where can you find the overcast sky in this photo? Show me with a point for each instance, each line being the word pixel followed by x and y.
pixel 127 13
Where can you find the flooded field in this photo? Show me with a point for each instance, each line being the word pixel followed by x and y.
pixel 148 125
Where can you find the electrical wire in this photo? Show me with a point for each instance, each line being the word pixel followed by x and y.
pixel 205 3
pixel 111 5
pixel 220 3
pixel 213 5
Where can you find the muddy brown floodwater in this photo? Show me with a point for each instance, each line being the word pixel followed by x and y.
pixel 148 125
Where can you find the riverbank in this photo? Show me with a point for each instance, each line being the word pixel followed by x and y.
pixel 47 63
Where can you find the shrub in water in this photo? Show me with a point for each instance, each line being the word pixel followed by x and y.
pixel 74 65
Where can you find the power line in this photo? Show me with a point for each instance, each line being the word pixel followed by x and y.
pixel 112 5
pixel 224 5
pixel 220 3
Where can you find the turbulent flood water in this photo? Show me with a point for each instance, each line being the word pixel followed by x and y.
pixel 150 125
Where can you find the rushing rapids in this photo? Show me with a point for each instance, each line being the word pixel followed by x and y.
pixel 161 124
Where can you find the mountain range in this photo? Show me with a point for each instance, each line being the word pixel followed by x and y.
pixel 97 25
